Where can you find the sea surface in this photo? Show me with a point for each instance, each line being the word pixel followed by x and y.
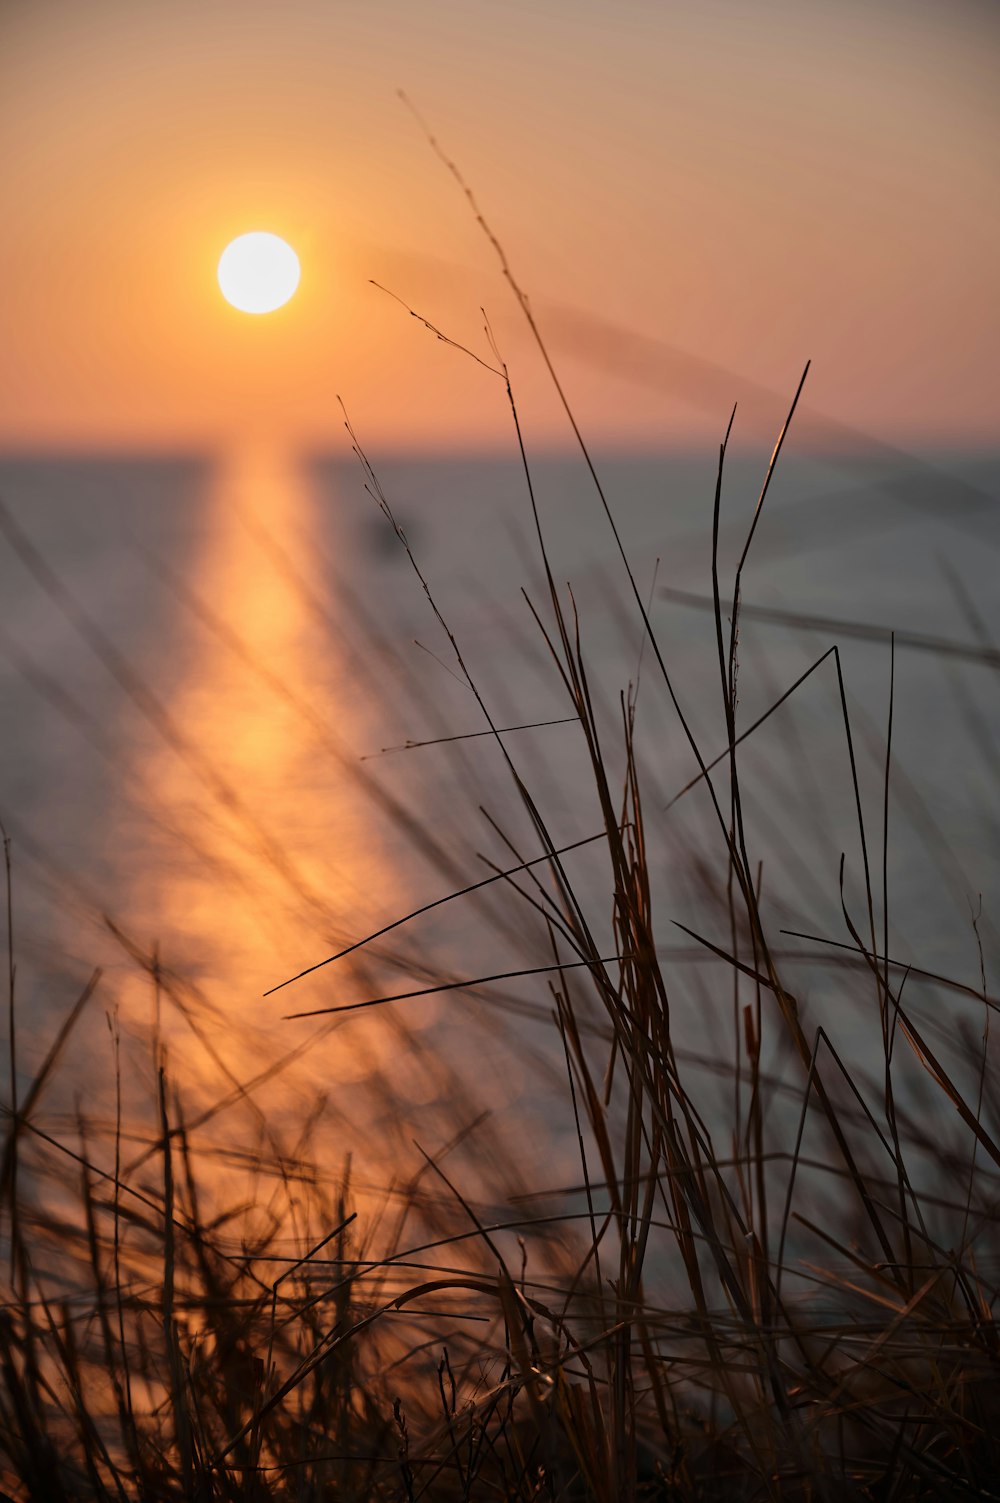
pixel 211 666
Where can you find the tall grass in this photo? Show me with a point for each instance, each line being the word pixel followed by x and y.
pixel 788 1295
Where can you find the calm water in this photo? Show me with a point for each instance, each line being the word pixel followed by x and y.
pixel 202 658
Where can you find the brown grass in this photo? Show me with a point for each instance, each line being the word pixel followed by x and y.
pixel 796 1303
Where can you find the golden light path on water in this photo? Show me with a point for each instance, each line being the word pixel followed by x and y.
pixel 250 839
pixel 268 854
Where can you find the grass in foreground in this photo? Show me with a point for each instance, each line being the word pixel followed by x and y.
pixel 792 1301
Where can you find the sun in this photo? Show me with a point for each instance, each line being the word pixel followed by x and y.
pixel 258 272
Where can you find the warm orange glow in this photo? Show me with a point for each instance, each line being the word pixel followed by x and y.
pixel 136 141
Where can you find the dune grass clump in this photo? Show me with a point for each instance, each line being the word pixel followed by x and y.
pixel 790 1299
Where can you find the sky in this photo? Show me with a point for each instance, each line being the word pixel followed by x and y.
pixel 728 189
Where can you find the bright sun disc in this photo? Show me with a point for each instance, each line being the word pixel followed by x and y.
pixel 258 272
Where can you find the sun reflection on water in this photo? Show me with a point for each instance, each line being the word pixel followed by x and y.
pixel 280 863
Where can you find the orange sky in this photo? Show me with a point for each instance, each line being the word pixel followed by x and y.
pixel 752 184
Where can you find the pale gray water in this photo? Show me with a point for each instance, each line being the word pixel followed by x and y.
pixel 296 658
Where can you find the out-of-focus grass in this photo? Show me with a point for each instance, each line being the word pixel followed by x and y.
pixel 782 1289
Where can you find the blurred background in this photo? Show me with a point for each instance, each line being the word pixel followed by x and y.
pixel 209 633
